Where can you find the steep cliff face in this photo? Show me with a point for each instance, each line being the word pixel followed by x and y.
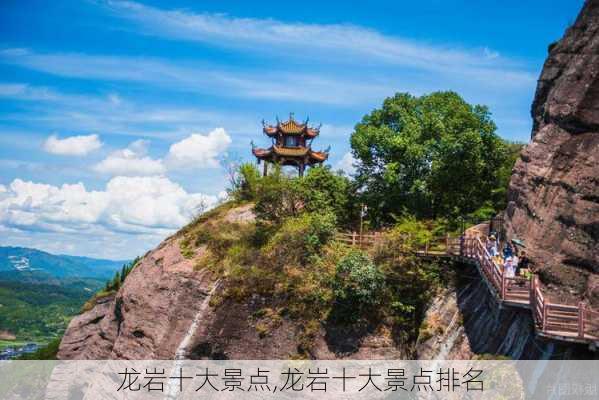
pixel 148 317
pixel 554 191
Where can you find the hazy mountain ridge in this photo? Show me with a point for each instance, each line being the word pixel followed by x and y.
pixel 33 261
pixel 40 292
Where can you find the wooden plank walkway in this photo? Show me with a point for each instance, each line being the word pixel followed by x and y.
pixel 570 323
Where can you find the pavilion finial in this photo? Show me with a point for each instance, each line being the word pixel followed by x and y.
pixel 291 116
pixel 263 123
pixel 278 122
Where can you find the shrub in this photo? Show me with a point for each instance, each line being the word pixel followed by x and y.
pixel 300 238
pixel 324 190
pixel 120 276
pixel 277 197
pixel 245 182
pixel 358 285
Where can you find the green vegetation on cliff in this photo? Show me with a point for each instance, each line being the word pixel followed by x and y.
pixel 289 258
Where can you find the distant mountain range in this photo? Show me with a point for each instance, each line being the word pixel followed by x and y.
pixel 26 262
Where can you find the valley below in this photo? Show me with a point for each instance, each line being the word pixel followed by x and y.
pixel 40 293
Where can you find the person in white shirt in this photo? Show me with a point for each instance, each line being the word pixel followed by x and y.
pixel 492 246
pixel 509 268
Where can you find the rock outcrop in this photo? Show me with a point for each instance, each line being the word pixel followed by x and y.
pixel 148 317
pixel 554 191
pixel 152 314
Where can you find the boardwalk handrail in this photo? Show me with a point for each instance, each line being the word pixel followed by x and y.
pixel 441 246
pixel 567 322
pixel 561 321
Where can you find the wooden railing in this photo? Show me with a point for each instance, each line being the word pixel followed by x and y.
pixel 563 321
pixel 355 239
pixel 441 246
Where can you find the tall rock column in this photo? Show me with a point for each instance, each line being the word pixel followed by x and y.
pixel 554 191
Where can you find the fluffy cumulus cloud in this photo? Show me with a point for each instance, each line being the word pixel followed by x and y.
pixel 132 161
pixel 199 151
pixel 128 205
pixel 72 145
pixel 347 164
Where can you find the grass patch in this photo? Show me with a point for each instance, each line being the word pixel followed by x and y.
pixel 91 303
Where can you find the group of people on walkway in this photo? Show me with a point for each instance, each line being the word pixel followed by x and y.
pixel 513 260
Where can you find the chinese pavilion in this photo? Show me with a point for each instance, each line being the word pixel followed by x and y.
pixel 291 145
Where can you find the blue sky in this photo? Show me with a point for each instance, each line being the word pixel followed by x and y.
pixel 114 115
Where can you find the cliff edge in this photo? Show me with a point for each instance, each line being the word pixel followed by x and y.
pixel 554 191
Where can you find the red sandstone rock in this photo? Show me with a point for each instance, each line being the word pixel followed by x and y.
pixel 149 315
pixel 554 191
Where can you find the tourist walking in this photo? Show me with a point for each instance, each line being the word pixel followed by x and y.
pixel 492 246
pixel 508 251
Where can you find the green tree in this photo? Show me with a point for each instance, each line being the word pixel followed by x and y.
pixel 358 286
pixel 324 190
pixel 277 197
pixel 513 150
pixel 432 156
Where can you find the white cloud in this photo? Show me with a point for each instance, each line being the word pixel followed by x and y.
pixel 279 85
pixel 347 164
pixel 23 91
pixel 113 114
pixel 73 145
pixel 132 161
pixel 490 54
pixel 115 99
pixel 128 205
pixel 342 43
pixel 199 151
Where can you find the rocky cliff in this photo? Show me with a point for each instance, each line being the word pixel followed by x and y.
pixel 554 191
pixel 171 306
pixel 148 317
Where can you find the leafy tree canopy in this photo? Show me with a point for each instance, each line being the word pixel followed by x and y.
pixel 431 156
pixel 278 196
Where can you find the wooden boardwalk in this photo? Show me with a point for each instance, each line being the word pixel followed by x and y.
pixel 570 323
